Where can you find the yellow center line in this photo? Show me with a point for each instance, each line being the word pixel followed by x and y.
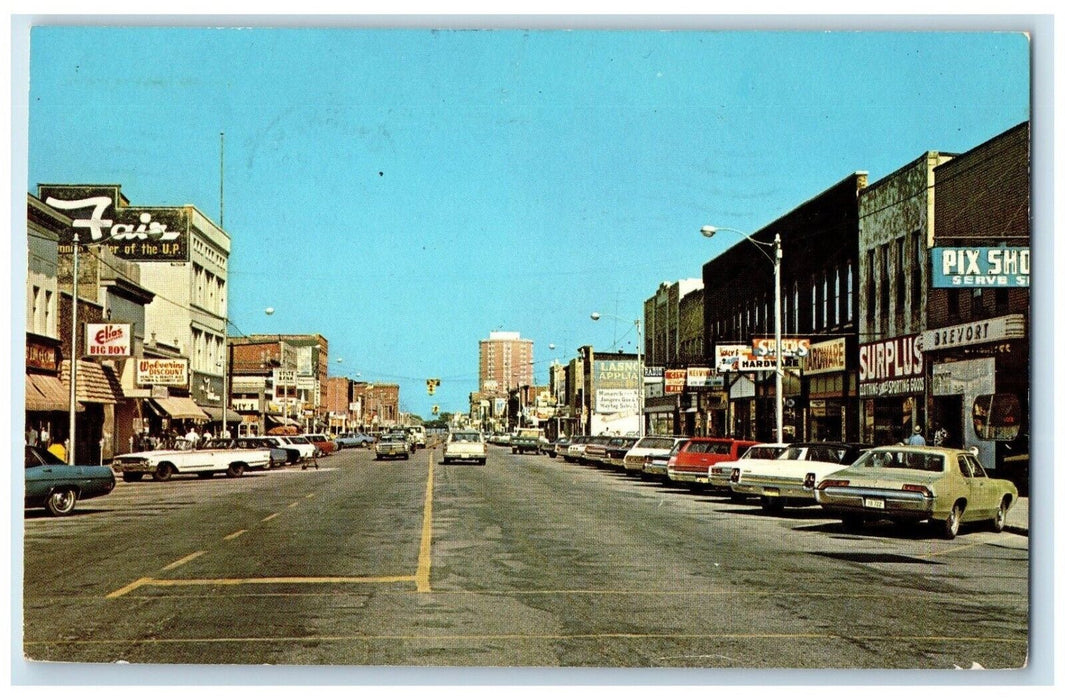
pixel 234 535
pixel 183 560
pixel 425 550
pixel 933 555
pixel 270 517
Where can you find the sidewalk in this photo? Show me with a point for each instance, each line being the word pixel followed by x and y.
pixel 1017 517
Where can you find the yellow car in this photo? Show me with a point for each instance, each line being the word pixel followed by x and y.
pixel 909 484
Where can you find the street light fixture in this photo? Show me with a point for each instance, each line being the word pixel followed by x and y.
pixel 709 231
pixel 639 364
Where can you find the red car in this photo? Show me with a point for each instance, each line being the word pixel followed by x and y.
pixel 690 461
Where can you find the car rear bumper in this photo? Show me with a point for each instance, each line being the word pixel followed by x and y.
pixel 886 502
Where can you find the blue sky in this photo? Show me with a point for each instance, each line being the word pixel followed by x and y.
pixel 405 192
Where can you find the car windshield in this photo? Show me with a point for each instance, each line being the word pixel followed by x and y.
pixel 465 437
pixel 901 459
pixel 655 443
pixel 299 440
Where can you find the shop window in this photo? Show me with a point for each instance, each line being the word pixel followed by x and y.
pixel 870 289
pixel 900 276
pixel 916 276
pixel 997 417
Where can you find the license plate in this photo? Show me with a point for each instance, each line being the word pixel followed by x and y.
pixel 772 492
pixel 877 503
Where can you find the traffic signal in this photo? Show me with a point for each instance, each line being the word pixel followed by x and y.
pixel 431 384
pixel 436 410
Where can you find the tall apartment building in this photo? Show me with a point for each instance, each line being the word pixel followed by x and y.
pixel 505 362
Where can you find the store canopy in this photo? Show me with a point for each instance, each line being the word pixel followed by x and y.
pixel 281 420
pixel 47 393
pixel 96 383
pixel 180 407
pixel 214 413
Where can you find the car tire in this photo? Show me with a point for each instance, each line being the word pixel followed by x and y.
pixel 235 470
pixel 737 497
pixel 484 461
pixel 132 476
pixel 163 472
pixel 998 523
pixel 61 501
pixel 952 524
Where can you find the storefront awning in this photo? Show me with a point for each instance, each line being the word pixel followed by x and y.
pixel 215 414
pixel 180 407
pixel 96 383
pixel 47 393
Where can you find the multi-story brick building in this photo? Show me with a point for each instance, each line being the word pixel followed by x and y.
pixel 819 240
pixel 977 343
pixel 897 224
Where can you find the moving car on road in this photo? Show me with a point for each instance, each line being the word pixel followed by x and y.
pixel 56 486
pixel 909 484
pixel 465 445
pixel 394 445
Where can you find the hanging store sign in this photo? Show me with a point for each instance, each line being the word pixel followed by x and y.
pixel 675 381
pixel 826 356
pixel 980 267
pixel 991 330
pixel 100 217
pixel 163 372
pixel 704 378
pixel 743 358
pixel 790 347
pixel 892 367
pixel 108 339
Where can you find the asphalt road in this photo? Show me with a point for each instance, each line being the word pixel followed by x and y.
pixel 526 562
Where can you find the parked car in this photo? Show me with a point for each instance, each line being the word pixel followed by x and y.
pixel 353 440
pixel 575 449
pixel 324 443
pixel 594 450
pixel 211 457
pixel 294 453
pixel 905 484
pixel 790 478
pixel 278 455
pixel 691 463
pixel 649 445
pixel 465 445
pixel 394 445
pixel 526 440
pixel 56 486
pixel 552 448
pixel 616 450
pixel 721 472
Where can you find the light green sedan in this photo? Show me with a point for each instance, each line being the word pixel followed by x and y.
pixel 909 484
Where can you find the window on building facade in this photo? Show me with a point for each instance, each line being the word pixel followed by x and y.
pixel 795 308
pixel 901 278
pixel 953 303
pixel 35 309
pixel 916 277
pixel 1002 301
pixel 837 311
pixel 813 303
pixel 826 319
pixel 849 299
pixel 885 287
pixel 49 317
pixel 870 287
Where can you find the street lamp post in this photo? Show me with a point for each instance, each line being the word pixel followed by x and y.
pixel 709 231
pixel 639 365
